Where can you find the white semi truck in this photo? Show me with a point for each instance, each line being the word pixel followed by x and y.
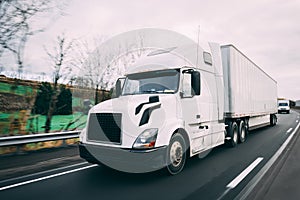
pixel 169 109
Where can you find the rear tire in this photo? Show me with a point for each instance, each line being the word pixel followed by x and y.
pixel 176 154
pixel 242 131
pixel 233 133
pixel 273 120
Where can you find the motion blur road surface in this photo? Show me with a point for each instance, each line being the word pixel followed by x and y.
pixel 223 174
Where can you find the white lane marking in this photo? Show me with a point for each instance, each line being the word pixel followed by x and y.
pixel 242 175
pixel 42 172
pixel 46 177
pixel 288 131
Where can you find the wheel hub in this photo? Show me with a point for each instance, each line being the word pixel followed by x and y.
pixel 176 154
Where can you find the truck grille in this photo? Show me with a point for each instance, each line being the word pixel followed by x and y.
pixel 105 127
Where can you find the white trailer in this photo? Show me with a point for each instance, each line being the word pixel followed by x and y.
pixel 175 104
pixel 250 93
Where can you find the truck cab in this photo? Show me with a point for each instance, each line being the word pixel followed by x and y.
pixel 166 110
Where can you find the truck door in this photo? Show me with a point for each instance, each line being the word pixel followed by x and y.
pixel 195 110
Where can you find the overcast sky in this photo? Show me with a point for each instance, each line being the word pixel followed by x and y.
pixel 267 31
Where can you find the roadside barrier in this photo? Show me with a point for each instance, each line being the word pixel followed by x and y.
pixel 15 144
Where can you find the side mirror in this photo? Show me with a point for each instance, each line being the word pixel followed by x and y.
pixel 119 86
pixel 196 82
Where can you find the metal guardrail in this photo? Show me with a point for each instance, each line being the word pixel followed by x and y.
pixel 43 137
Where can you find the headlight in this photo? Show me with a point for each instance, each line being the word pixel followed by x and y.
pixel 146 139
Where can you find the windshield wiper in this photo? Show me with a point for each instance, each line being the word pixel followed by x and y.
pixel 149 91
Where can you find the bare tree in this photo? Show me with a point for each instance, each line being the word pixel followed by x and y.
pixel 1 68
pixel 98 69
pixel 17 24
pixel 58 57
pixel 90 62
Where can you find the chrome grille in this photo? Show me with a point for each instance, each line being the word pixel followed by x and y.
pixel 105 127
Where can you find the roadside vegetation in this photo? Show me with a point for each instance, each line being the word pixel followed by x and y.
pixel 24 108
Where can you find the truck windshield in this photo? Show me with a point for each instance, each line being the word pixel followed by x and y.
pixel 283 104
pixel 163 81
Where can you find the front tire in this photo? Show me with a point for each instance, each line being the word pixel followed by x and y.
pixel 176 154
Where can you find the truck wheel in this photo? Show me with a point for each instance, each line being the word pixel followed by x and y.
pixel 273 120
pixel 233 133
pixel 176 154
pixel 242 131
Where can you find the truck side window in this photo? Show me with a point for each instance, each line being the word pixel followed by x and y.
pixel 187 85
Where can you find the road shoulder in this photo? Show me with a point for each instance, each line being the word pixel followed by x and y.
pixel 282 180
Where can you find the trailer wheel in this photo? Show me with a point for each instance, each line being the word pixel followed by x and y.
pixel 233 133
pixel 242 131
pixel 273 120
pixel 176 154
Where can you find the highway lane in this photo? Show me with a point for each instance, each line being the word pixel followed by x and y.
pixel 208 178
pixel 24 163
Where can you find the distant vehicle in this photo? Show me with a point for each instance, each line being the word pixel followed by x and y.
pixel 169 109
pixel 284 106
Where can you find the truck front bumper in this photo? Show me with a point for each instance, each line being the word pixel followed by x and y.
pixel 126 160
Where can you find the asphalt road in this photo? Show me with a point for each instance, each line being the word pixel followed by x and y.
pixel 223 174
